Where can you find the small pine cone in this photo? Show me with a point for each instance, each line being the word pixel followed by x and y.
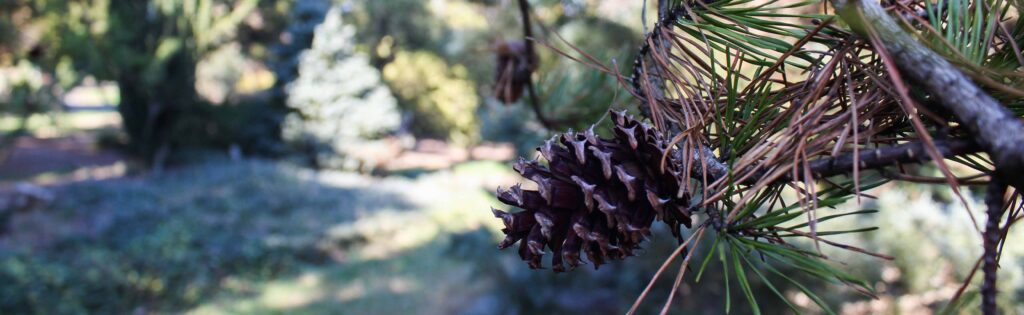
pixel 514 67
pixel 596 195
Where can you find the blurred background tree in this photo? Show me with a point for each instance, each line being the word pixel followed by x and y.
pixel 153 52
pixel 26 89
pixel 151 49
pixel 303 19
pixel 338 102
pixel 441 97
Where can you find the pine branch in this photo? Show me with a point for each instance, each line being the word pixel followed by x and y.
pixel 996 129
pixel 666 16
pixel 907 153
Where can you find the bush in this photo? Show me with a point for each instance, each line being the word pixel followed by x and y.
pixel 252 126
pixel 442 99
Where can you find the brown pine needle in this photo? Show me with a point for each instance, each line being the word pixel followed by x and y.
pixel 909 106
pixel 664 266
pixel 682 272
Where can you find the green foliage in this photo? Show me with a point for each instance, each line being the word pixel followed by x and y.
pixel 219 73
pixel 577 93
pixel 338 99
pixel 25 90
pixel 8 29
pixel 15 20
pixel 964 29
pixel 495 125
pixel 442 99
pixel 406 22
pixel 151 49
pixel 252 127
pixel 26 87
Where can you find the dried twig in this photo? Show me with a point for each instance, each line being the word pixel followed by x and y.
pixel 527 38
pixel 535 102
pixel 994 201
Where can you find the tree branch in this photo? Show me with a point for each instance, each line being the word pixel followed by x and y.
pixel 666 15
pixel 524 12
pixel 531 59
pixel 996 129
pixel 907 153
pixel 994 202
pixel 914 152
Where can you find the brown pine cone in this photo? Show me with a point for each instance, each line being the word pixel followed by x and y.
pixel 596 195
pixel 514 65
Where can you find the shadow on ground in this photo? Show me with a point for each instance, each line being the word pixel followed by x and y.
pixel 145 244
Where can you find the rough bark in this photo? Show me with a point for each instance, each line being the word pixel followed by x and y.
pixel 994 127
pixel 907 153
pixel 915 152
pixel 994 202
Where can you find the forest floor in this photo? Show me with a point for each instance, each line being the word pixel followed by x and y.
pixel 34 158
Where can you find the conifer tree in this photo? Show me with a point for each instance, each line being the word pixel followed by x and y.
pixel 338 100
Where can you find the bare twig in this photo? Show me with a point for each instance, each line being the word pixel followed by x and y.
pixel 654 41
pixel 524 12
pixel 973 180
pixel 535 102
pixel 643 16
pixel 914 152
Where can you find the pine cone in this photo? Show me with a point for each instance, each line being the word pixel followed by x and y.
pixel 515 64
pixel 596 195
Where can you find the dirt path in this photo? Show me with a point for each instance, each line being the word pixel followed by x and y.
pixel 32 157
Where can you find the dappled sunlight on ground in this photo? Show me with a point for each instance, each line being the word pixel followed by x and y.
pixel 386 260
pixel 416 281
